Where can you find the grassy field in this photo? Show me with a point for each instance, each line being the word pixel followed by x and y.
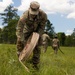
pixel 50 64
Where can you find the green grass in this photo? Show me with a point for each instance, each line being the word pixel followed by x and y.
pixel 50 64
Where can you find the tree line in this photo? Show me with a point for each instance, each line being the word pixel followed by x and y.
pixel 8 32
pixel 66 40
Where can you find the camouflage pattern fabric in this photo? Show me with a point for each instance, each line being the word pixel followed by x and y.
pixel 45 39
pixel 26 26
pixel 55 45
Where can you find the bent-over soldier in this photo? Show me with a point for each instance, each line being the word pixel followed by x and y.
pixel 32 20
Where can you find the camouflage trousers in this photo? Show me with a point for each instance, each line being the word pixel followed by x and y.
pixel 36 51
pixel 45 47
pixel 55 49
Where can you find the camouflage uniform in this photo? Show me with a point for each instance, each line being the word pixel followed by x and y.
pixel 55 44
pixel 45 39
pixel 26 26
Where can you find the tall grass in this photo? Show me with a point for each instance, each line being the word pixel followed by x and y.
pixel 50 63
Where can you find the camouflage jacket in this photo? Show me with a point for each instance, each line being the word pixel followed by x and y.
pixel 55 43
pixel 26 24
pixel 45 39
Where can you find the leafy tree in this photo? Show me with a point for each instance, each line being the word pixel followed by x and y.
pixel 61 37
pixel 5 34
pixel 73 34
pixel 0 35
pixel 49 28
pixel 68 40
pixel 9 14
pixel 11 35
pixel 0 30
pixel 73 37
pixel 9 32
pixel 10 18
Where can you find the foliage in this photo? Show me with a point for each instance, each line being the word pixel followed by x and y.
pixel 73 37
pixel 61 37
pixel 9 14
pixel 49 28
pixel 10 17
pixel 68 41
pixel 9 32
pixel 0 35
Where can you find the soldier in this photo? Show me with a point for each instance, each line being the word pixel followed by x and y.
pixel 45 40
pixel 55 44
pixel 33 20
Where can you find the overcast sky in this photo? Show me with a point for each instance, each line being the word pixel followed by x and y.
pixel 61 13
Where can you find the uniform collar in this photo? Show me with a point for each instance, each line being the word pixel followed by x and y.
pixel 31 19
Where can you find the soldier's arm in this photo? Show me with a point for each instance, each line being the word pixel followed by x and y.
pixel 42 24
pixel 48 37
pixel 19 28
pixel 21 23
